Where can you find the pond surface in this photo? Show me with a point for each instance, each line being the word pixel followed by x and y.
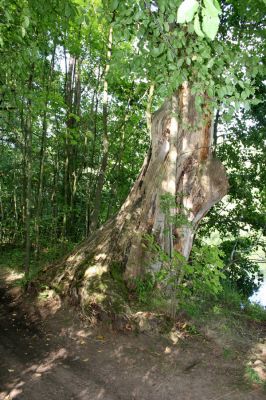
pixel 260 295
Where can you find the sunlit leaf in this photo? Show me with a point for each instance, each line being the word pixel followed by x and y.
pixel 211 9
pixel 197 26
pixel 210 26
pixel 186 11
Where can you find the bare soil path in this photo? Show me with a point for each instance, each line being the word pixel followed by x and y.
pixel 59 358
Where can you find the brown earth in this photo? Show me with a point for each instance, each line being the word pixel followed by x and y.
pixel 52 354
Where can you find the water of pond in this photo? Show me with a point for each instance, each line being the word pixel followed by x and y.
pixel 260 295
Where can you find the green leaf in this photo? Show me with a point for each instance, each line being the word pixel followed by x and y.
pixel 186 11
pixel 155 52
pixel 197 26
pixel 211 9
pixel 171 18
pixel 114 5
pixel 166 27
pixel 26 21
pixel 217 5
pixel 180 62
pixel 170 55
pixel 210 26
pixel 68 10
pixel 210 63
pixel 23 31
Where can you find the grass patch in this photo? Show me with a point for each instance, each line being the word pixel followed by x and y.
pixel 252 376
pixel 255 312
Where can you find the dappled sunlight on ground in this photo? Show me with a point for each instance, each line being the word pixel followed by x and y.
pixel 60 358
pixel 34 372
pixel 11 276
pixel 48 363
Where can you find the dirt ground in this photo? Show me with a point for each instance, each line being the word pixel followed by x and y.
pixel 61 358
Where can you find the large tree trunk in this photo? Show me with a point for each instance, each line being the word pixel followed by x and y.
pixel 179 163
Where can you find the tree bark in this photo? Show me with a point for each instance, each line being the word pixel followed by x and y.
pixel 72 100
pixel 28 199
pixel 104 163
pixel 28 175
pixel 42 154
pixel 179 163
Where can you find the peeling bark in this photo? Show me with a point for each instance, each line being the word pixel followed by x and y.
pixel 181 164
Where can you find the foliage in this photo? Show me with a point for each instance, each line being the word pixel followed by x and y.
pixel 228 305
pixel 239 220
pixel 144 287
pixel 175 212
pixel 188 10
pixel 232 304
pixel 15 20
pixel 198 278
pixel 241 147
pixel 230 299
pixel 239 269
pixel 206 274
pixel 256 312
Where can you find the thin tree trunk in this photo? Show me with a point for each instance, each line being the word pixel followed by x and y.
pixel 117 167
pixel 2 235
pixel 54 200
pixel 15 208
pixel 69 80
pixel 40 185
pixel 72 99
pixel 42 160
pixel 74 174
pixel 28 197
pixel 101 177
pixel 28 165
pixel 90 182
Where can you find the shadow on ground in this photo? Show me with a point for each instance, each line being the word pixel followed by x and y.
pixel 61 358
